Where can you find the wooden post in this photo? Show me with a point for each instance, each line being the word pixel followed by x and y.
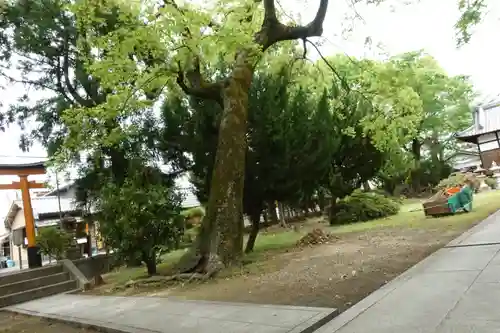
pixel 20 259
pixel 34 257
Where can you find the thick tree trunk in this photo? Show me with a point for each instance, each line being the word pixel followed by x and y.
pixel 272 211
pixel 321 201
pixel 266 216
pixel 416 147
pixel 221 236
pixel 282 215
pixel 254 231
pixel 150 261
pixel 366 187
pixel 331 210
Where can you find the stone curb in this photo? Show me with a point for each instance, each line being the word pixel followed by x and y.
pixel 82 323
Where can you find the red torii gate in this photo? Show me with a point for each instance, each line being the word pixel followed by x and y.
pixel 23 171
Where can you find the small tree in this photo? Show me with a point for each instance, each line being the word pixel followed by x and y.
pixel 53 242
pixel 141 217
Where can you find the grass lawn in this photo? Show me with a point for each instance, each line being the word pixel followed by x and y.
pixel 365 256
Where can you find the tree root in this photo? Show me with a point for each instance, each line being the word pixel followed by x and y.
pixel 157 279
pixel 210 268
pixel 193 262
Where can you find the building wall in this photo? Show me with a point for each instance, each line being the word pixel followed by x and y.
pixel 489 148
pixel 19 223
pixel 24 255
pixel 70 193
pixel 489 156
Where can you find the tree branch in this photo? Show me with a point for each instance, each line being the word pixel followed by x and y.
pixel 197 86
pixel 59 85
pixel 67 81
pixel 270 12
pixel 273 31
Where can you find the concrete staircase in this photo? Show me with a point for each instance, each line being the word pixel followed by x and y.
pixel 36 283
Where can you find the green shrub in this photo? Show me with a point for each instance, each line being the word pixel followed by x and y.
pixel 491 182
pixel 458 179
pixel 193 217
pixel 360 206
pixel 53 242
pixel 194 213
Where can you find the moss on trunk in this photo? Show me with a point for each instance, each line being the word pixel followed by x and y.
pixel 221 234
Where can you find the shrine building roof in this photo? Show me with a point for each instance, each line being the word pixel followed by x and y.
pixel 486 120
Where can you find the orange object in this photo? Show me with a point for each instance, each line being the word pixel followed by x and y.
pixel 452 190
pixel 23 171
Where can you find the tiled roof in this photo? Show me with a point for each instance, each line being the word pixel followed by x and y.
pixel 36 165
pixel 190 200
pixel 40 205
pixel 487 123
pixel 61 189
pixel 49 204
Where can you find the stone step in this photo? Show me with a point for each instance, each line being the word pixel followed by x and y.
pixel 36 293
pixel 30 274
pixel 38 282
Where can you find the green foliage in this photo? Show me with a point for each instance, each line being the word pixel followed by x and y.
pixel 459 179
pixel 140 217
pixel 491 182
pixel 361 206
pixel 420 157
pixel 53 242
pixel 195 212
pixel 193 217
pixel 354 156
pixel 472 12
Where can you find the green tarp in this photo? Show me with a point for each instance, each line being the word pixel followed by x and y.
pixel 461 200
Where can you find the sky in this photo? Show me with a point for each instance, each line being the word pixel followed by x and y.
pixel 392 27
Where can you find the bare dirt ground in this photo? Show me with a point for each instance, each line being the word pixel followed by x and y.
pixel 361 258
pixel 15 323
pixel 330 275
pixel 336 275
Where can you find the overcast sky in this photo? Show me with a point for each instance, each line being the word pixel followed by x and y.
pixel 427 24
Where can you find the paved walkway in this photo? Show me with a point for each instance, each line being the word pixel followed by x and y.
pixel 155 314
pixel 455 290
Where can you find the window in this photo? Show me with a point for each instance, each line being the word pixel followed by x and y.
pixel 488 146
pixel 487 137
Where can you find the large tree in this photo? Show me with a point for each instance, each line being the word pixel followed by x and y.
pixel 413 88
pixel 181 38
pixel 445 104
pixel 288 147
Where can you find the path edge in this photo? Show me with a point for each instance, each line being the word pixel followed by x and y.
pixel 80 323
pixel 357 309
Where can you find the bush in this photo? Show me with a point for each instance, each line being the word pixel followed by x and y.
pixel 193 216
pixel 360 206
pixel 53 242
pixel 491 182
pixel 458 179
pixel 138 219
pixel 194 212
